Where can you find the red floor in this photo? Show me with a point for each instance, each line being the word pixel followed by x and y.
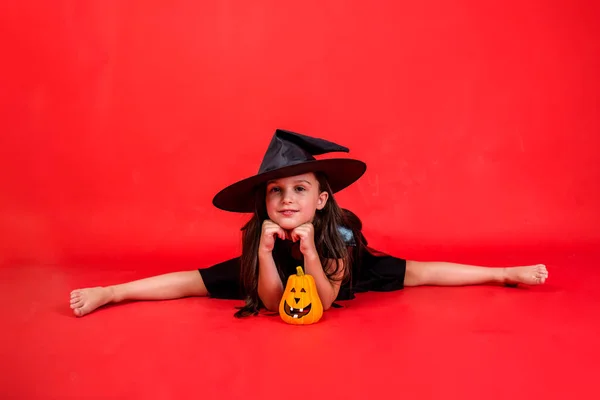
pixel 421 343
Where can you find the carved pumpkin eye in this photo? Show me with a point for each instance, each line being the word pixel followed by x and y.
pixel 293 290
pixel 302 290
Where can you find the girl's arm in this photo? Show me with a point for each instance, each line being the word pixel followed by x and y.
pixel 270 287
pixel 328 290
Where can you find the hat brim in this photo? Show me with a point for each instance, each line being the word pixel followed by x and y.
pixel 340 172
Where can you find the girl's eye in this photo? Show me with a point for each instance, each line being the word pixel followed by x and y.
pixel 274 189
pixel 300 189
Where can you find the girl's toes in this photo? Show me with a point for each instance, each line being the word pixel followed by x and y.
pixel 83 310
pixel 77 304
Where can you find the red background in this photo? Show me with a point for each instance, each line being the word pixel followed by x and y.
pixel 121 120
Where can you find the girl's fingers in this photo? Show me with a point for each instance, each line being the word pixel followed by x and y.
pixel 297 234
pixel 281 233
pixel 274 231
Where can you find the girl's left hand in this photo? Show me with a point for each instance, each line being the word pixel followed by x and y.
pixel 306 234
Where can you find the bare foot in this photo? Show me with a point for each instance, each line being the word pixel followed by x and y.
pixel 529 275
pixel 84 301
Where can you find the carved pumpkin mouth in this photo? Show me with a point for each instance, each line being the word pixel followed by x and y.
pixel 295 312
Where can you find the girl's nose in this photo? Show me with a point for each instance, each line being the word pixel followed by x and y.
pixel 287 196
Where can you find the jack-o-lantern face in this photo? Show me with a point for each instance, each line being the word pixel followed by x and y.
pixel 300 304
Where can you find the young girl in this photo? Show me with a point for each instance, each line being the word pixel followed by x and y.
pixel 297 222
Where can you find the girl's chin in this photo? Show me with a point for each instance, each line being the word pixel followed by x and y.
pixel 289 225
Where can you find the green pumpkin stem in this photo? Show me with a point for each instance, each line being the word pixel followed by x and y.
pixel 299 271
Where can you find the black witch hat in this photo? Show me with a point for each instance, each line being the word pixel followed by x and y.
pixel 290 154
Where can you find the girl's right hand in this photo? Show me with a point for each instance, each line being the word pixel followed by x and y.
pixel 267 238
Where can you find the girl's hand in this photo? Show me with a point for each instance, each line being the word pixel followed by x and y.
pixel 267 238
pixel 306 234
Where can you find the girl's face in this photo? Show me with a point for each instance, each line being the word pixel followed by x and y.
pixel 293 201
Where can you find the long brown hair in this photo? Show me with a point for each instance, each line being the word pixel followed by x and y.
pixel 327 241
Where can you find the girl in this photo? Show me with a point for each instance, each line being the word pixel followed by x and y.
pixel 296 221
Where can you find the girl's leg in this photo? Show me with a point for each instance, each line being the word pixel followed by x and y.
pixel 162 287
pixel 451 274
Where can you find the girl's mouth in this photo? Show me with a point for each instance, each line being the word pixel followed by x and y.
pixel 288 213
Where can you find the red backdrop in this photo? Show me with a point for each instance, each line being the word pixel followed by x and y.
pixel 121 120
